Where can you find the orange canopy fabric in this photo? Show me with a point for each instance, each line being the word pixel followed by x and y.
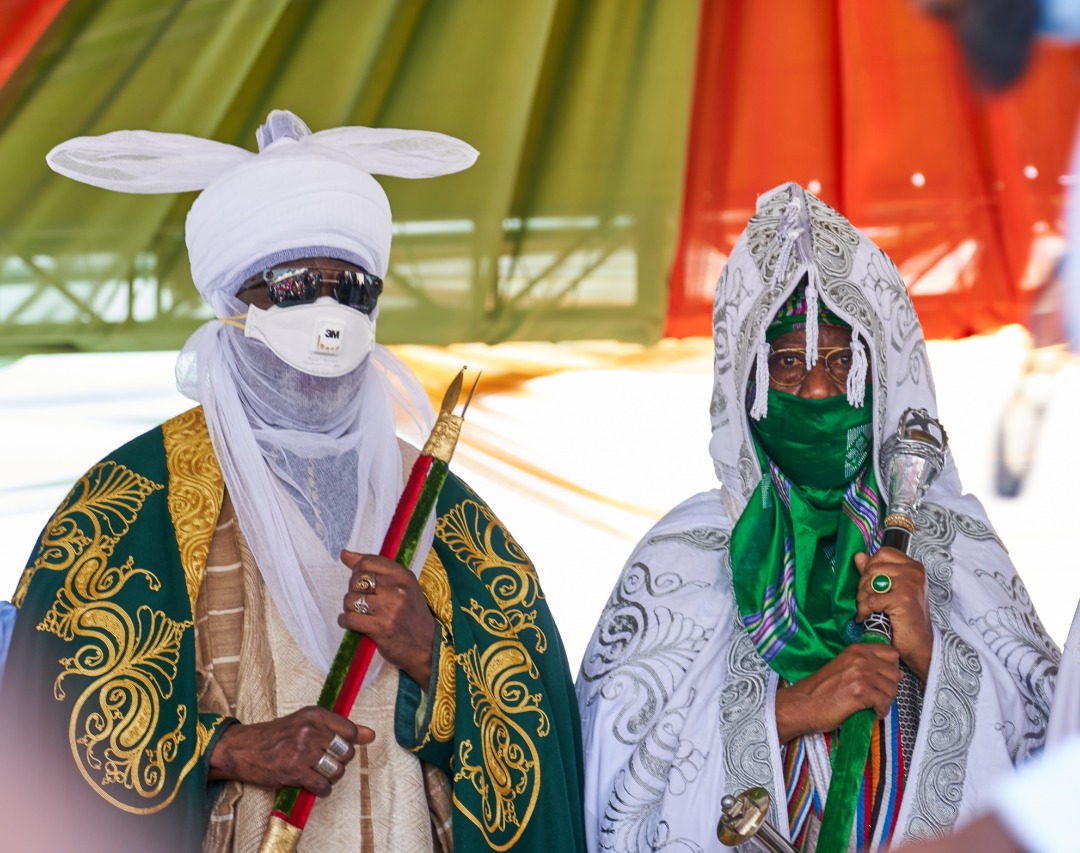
pixel 869 106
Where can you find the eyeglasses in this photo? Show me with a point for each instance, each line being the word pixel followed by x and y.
pixel 302 285
pixel 787 367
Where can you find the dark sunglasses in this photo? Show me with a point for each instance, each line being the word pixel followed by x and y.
pixel 302 286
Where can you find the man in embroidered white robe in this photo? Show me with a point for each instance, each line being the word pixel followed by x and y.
pixel 680 689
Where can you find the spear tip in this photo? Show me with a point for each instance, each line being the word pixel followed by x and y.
pixel 453 393
pixel 472 391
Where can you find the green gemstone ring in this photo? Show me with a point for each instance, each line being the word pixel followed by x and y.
pixel 881 583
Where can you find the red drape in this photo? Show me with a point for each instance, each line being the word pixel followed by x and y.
pixel 869 106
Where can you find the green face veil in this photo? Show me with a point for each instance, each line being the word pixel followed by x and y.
pixel 818 444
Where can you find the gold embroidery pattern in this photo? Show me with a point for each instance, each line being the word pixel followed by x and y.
pixel 473 533
pixel 507 775
pixel 509 765
pixel 110 496
pixel 203 733
pixel 118 714
pixel 130 658
pixel 195 492
pixel 436 588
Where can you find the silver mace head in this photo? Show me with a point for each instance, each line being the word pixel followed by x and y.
pixel 914 456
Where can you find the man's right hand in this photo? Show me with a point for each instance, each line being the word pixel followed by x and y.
pixel 864 675
pixel 284 752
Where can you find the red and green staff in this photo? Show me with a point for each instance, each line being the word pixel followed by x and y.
pixel 293 805
pixel 916 455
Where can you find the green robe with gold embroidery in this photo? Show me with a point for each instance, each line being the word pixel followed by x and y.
pixel 103 743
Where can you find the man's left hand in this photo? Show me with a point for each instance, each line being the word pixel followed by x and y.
pixel 397 617
pixel 906 604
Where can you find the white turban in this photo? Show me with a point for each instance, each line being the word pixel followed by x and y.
pixel 303 195
pixel 288 199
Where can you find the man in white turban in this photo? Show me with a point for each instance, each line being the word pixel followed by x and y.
pixel 183 606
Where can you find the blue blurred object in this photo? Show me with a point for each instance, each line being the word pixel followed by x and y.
pixel 8 612
pixel 1059 19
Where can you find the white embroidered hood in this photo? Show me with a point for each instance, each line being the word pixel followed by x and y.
pixel 855 279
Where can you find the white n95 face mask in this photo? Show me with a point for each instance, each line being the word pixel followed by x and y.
pixel 324 338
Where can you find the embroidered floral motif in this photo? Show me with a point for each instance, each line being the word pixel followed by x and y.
pixel 125 658
pixel 130 659
pixel 1016 635
pixel 641 651
pixel 108 498
pixel 478 539
pixel 506 775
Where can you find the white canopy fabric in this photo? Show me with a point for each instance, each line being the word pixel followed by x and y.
pixel 579 449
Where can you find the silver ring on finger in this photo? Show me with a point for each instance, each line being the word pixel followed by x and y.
pixel 361 606
pixel 338 747
pixel 327 766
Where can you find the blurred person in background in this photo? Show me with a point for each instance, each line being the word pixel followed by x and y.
pixel 996 37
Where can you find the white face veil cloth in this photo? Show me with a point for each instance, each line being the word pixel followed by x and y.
pixel 301 403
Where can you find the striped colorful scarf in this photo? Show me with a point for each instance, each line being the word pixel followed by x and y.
pixel 879 797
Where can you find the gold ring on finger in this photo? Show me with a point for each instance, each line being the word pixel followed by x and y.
pixel 881 584
pixel 365 583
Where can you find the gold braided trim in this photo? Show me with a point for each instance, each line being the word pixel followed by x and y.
pixel 896 519
pixel 436 588
pixel 196 488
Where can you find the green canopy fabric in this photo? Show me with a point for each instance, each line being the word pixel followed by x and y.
pixel 564 229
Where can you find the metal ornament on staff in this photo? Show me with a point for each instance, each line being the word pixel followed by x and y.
pixel 743 818
pixel 914 456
